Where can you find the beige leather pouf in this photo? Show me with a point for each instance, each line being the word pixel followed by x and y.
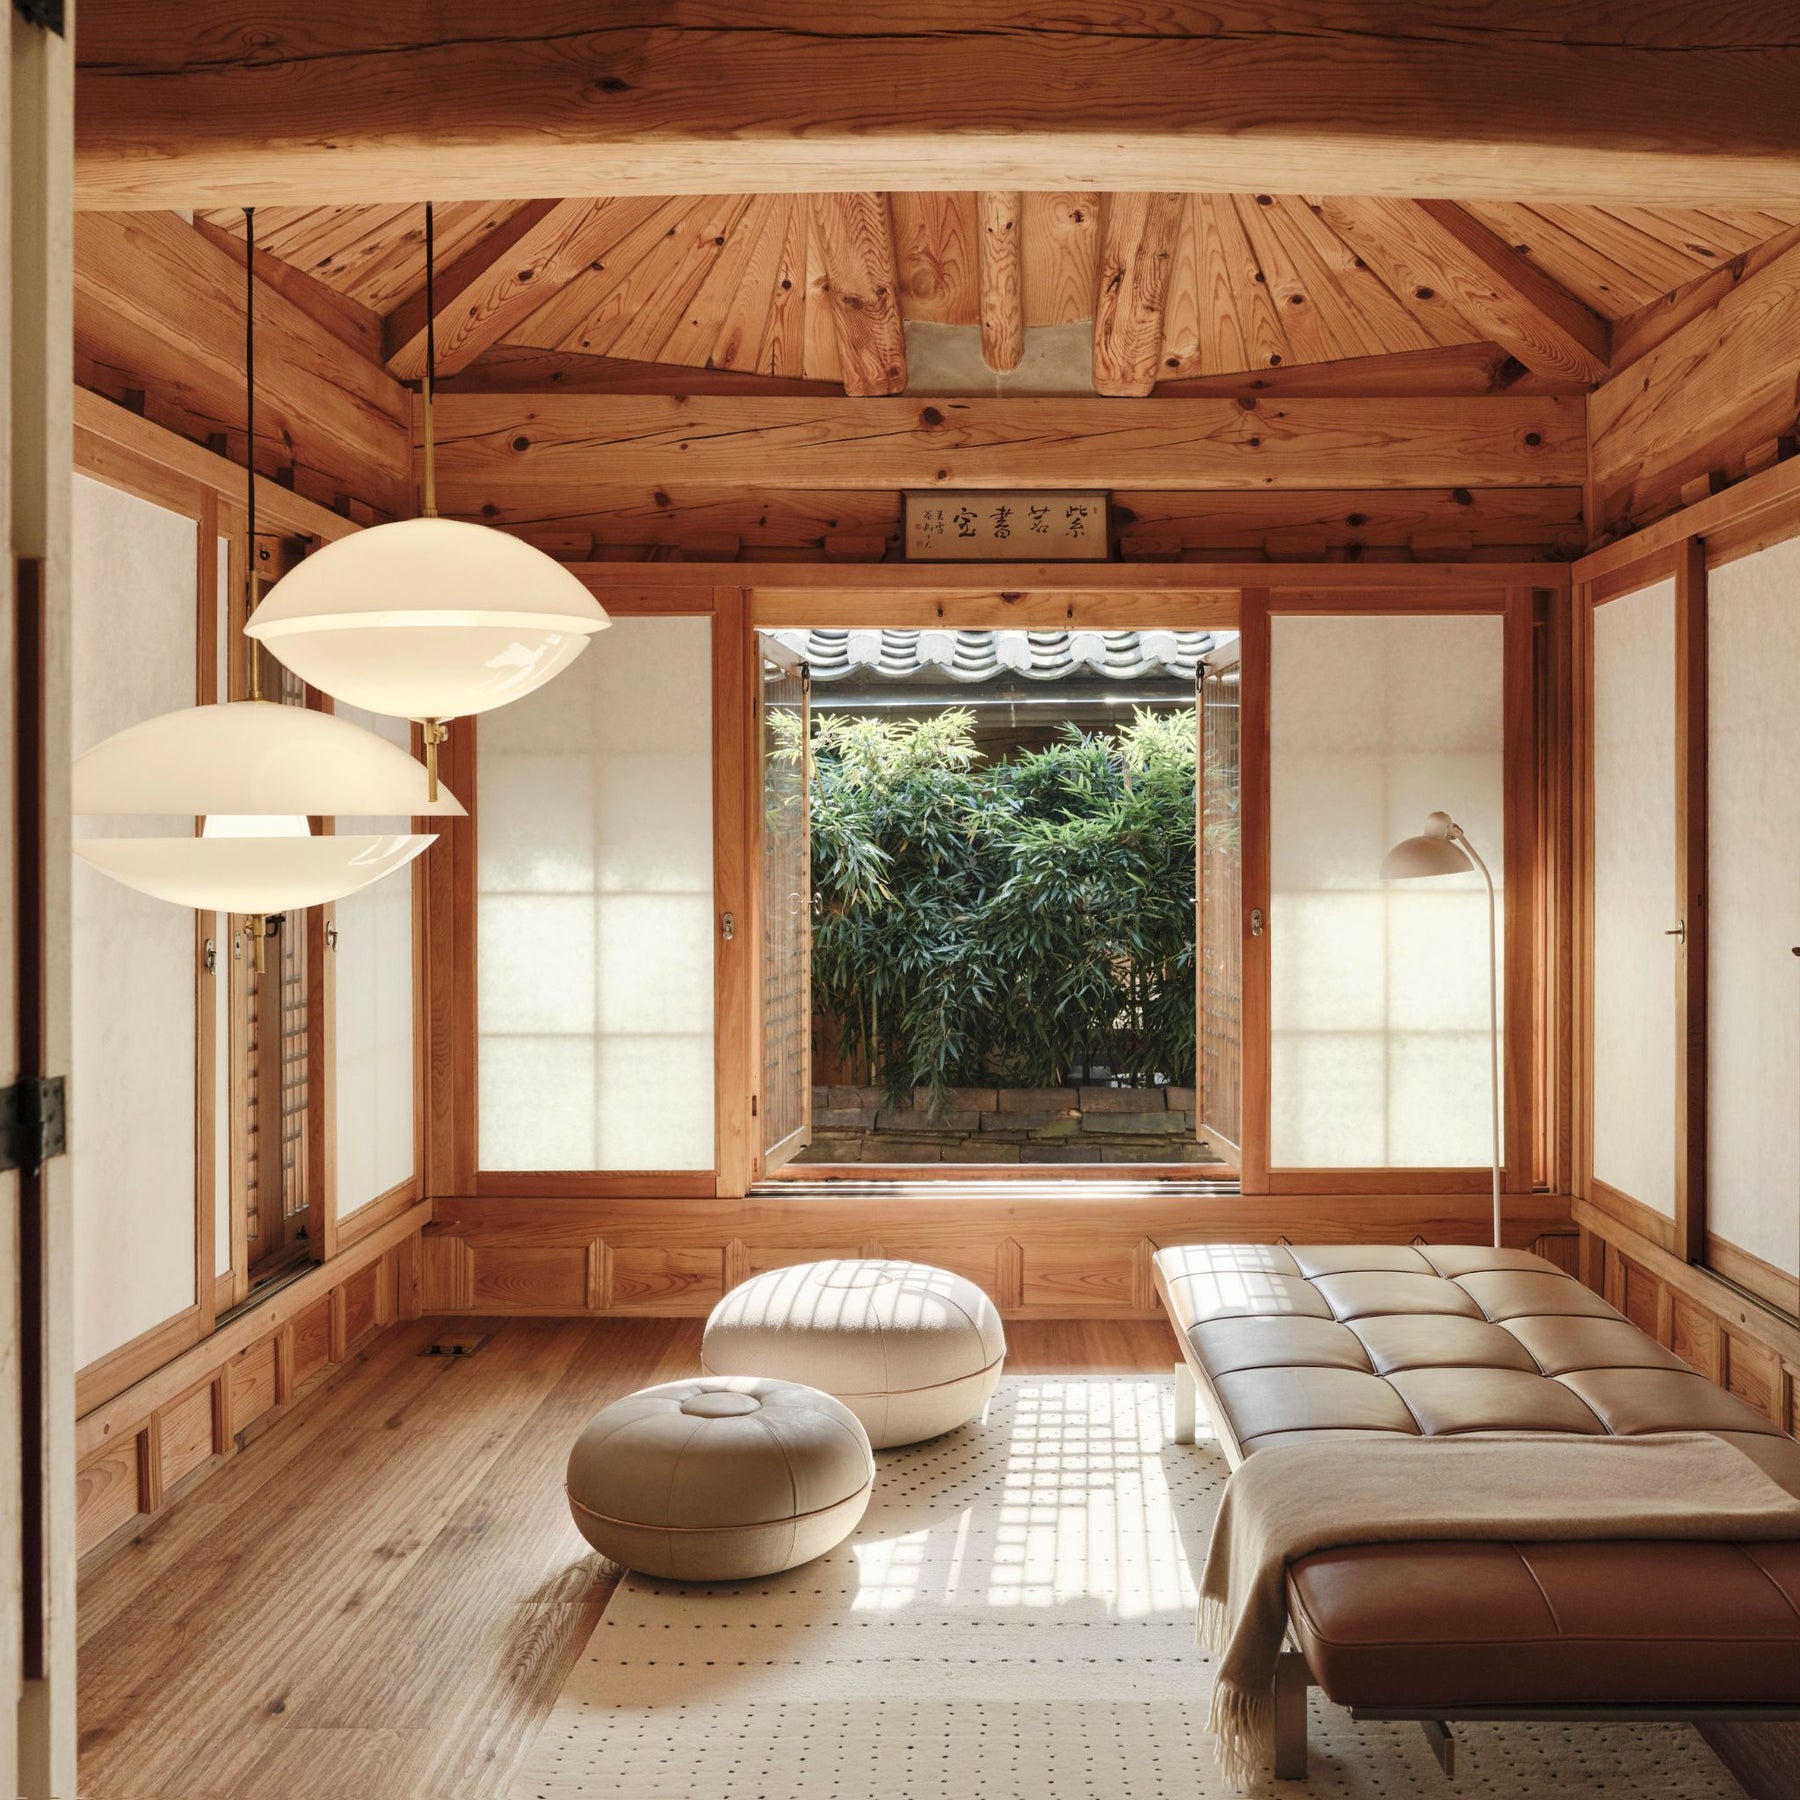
pixel 911 1350
pixel 720 1480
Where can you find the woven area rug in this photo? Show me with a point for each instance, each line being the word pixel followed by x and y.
pixel 1013 1620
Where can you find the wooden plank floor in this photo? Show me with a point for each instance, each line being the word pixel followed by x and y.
pixel 383 1594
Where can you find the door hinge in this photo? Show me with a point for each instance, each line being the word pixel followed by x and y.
pixel 33 1122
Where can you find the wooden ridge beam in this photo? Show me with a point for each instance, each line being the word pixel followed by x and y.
pixel 1137 249
pixel 856 240
pixel 559 447
pixel 182 106
pixel 1002 265
pixel 770 519
pixel 1432 247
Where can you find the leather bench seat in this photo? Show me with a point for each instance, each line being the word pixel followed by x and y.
pixel 1294 1343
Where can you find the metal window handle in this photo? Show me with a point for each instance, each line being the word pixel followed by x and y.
pixel 1256 921
pixel 728 926
pixel 1680 931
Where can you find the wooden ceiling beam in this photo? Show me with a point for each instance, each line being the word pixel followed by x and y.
pixel 496 283
pixel 557 447
pixel 1428 247
pixel 322 104
pixel 1137 251
pixel 856 238
pixel 1000 215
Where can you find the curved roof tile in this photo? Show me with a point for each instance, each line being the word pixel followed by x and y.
pixel 977 656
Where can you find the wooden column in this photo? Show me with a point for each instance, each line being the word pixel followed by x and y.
pixel 1002 281
pixel 1690 864
pixel 856 233
pixel 1137 250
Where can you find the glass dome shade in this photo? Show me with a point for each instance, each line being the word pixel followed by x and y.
pixel 427 619
pixel 254 772
pixel 255 875
pixel 253 757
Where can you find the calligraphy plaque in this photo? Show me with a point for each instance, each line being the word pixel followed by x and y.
pixel 993 525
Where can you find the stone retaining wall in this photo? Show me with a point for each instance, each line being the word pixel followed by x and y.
pixel 994 1125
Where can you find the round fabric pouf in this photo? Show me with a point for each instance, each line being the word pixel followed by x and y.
pixel 720 1480
pixel 911 1350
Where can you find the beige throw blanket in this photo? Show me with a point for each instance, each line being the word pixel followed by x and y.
pixel 1293 1499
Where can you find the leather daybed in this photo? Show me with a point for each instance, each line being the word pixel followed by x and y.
pixel 1290 1343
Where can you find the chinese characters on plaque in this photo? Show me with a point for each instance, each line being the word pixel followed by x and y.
pixel 985 526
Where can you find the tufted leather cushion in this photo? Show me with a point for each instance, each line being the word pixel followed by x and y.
pixel 1428 1340
pixel 1294 1344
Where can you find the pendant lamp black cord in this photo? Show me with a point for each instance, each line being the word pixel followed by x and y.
pixel 250 430
pixel 430 497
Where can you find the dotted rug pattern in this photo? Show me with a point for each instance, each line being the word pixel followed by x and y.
pixel 1013 1620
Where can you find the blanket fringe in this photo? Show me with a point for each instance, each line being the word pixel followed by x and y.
pixel 1242 1723
pixel 1212 1626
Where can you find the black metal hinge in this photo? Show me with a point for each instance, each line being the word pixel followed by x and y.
pixel 47 15
pixel 33 1122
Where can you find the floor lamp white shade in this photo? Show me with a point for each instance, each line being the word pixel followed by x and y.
pixel 1444 849
pixel 427 619
pixel 255 773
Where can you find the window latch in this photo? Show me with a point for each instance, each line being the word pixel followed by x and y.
pixel 1678 931
pixel 728 926
pixel 1256 921
pixel 33 1122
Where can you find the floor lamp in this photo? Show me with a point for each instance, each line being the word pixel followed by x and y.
pixel 1445 850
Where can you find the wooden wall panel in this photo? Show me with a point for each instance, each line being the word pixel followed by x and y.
pixel 250 1386
pixel 186 1433
pixel 675 1280
pixel 164 1433
pixel 106 1495
pixel 519 1278
pixel 312 1340
pixel 1041 1253
pixel 358 1301
pixel 1749 1349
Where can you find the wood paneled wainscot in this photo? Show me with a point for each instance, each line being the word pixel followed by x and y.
pixel 1042 1253
pixel 1733 1339
pixel 169 1431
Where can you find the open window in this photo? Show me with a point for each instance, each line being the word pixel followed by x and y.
pixel 784 909
pixel 1220 964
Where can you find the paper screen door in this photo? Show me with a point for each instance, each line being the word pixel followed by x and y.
pixel 784 906
pixel 1220 968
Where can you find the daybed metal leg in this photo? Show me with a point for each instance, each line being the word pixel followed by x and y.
pixel 1185 1398
pixel 1292 1678
pixel 1443 1745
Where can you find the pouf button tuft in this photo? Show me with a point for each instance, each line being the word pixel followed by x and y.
pixel 913 1351
pixel 720 1480
pixel 720 1406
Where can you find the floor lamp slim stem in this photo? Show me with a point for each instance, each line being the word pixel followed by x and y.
pixel 1493 1023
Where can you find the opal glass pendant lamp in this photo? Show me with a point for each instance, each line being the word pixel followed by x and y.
pixel 428 619
pixel 255 774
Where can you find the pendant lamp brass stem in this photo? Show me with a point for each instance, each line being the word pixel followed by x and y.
pixel 436 731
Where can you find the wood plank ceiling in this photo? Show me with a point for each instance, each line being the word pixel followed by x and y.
pixel 1180 287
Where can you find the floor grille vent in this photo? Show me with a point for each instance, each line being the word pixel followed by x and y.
pixel 465 1344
